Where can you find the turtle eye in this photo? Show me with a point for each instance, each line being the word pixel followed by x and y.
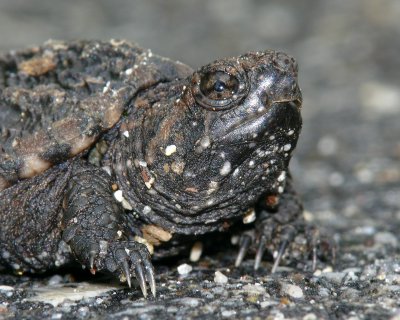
pixel 219 87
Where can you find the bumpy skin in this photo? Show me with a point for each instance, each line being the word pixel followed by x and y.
pixel 109 152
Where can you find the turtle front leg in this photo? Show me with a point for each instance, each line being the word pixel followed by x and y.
pixel 279 221
pixel 94 229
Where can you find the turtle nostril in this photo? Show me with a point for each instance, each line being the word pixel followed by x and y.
pixel 264 99
pixel 297 103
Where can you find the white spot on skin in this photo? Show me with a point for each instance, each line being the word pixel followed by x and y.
pixel 196 251
pixel 127 251
pixel 250 216
pixel 107 87
pixel 118 195
pixel 272 137
pixel 119 233
pixel 235 239
pixel 205 142
pixel 251 164
pixel 287 147
pixel 290 132
pixel 280 189
pixel 226 168
pixel 103 245
pixel 128 71
pixel 213 186
pixel 282 176
pixel 261 109
pixel 126 134
pixel 236 172
pixel 146 210
pixel 126 205
pixel 143 163
pixel 107 169
pixel 169 150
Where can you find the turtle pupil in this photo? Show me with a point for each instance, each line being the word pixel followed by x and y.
pixel 219 86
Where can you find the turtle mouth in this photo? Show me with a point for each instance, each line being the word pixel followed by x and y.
pixel 253 127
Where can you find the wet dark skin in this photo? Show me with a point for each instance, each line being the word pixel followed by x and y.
pixel 109 152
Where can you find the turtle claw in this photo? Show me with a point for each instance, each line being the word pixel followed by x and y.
pixel 150 277
pixel 260 252
pixel 141 279
pixel 278 258
pixel 128 258
pixel 126 272
pixel 274 236
pixel 92 256
pixel 244 243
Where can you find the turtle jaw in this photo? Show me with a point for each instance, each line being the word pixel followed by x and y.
pixel 280 123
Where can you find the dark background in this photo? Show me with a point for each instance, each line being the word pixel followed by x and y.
pixel 346 166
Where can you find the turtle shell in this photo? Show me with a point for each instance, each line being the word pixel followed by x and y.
pixel 56 100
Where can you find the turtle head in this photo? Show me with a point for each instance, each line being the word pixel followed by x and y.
pixel 212 143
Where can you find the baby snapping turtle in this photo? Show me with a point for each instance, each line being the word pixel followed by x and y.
pixel 109 152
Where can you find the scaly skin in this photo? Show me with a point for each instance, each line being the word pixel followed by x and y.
pixel 110 151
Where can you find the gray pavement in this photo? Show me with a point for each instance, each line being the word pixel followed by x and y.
pixel 346 167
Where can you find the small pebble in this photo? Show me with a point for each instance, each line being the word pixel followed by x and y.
pixel 83 311
pixel 310 316
pixel 228 313
pixel 220 277
pixel 56 279
pixel 385 238
pixel 254 289
pixel 184 269
pixel 6 288
pixel 190 302
pixel 292 290
pixel 335 277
